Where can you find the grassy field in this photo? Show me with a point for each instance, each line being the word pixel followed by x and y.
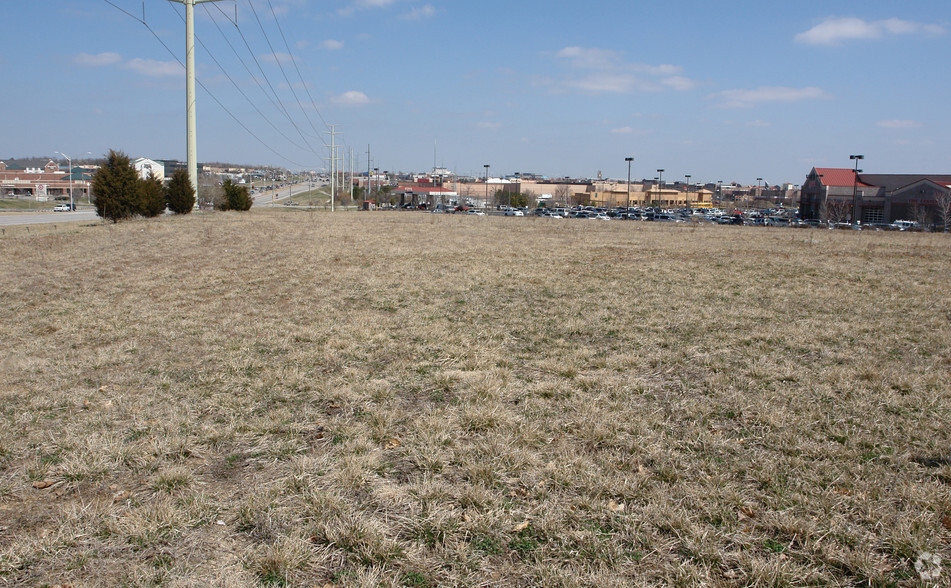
pixel 401 399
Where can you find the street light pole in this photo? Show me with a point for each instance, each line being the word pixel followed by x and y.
pixel 687 197
pixel 70 162
pixel 628 160
pixel 518 185
pixel 660 184
pixel 855 180
pixel 486 166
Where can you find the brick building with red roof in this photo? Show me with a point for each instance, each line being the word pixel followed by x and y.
pixel 832 194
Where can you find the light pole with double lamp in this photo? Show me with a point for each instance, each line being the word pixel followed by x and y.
pixel 518 186
pixel 70 162
pixel 855 181
pixel 628 160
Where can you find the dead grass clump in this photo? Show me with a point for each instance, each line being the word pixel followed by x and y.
pixel 383 399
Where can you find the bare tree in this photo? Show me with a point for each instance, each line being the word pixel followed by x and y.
pixel 944 210
pixel 562 193
pixel 920 214
pixel 835 211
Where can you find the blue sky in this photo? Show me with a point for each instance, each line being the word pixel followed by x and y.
pixel 730 90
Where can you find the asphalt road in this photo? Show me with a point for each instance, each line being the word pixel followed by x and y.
pixel 279 196
pixel 48 216
pixel 45 217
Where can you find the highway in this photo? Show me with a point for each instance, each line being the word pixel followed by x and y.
pixel 37 217
pixel 279 196
pixel 45 217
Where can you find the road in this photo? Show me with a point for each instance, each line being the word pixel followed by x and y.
pixel 48 216
pixel 279 196
pixel 45 217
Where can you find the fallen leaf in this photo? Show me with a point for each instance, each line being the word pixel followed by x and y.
pixel 747 512
pixel 392 444
pixel 43 484
pixel 121 495
pixel 615 507
pixel 520 527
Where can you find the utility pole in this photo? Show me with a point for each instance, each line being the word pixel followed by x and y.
pixel 369 180
pixel 191 124
pixel 333 165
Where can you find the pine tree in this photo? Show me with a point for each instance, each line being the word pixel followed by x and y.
pixel 236 197
pixel 115 188
pixel 151 196
pixel 180 195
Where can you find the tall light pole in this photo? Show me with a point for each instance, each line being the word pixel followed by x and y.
pixel 376 174
pixel 660 183
pixel 486 166
pixel 70 162
pixel 687 197
pixel 628 160
pixel 517 185
pixel 855 180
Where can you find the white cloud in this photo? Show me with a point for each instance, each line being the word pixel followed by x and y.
pixel 899 124
pixel 153 68
pixel 609 73
pixel 679 83
pixel 97 60
pixel 744 98
pixel 835 30
pixel 277 57
pixel 588 58
pixel 421 12
pixel 364 5
pixel 607 83
pixel 332 44
pixel 351 98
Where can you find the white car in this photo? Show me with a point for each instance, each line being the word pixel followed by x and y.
pixel 514 212
pixel 61 208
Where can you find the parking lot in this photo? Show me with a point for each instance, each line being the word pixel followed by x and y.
pixel 775 217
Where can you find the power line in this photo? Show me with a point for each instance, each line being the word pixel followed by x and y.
pixel 237 87
pixel 271 86
pixel 247 69
pixel 294 61
pixel 281 67
pixel 205 88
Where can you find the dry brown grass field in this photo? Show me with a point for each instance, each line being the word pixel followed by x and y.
pixel 403 399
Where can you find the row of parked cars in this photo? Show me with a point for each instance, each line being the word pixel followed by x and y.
pixel 777 217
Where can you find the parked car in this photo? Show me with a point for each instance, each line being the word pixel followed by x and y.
pixel 475 212
pixel 514 212
pixel 61 208
pixel 905 225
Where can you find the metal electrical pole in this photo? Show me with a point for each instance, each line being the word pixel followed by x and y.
pixel 333 164
pixel 191 133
